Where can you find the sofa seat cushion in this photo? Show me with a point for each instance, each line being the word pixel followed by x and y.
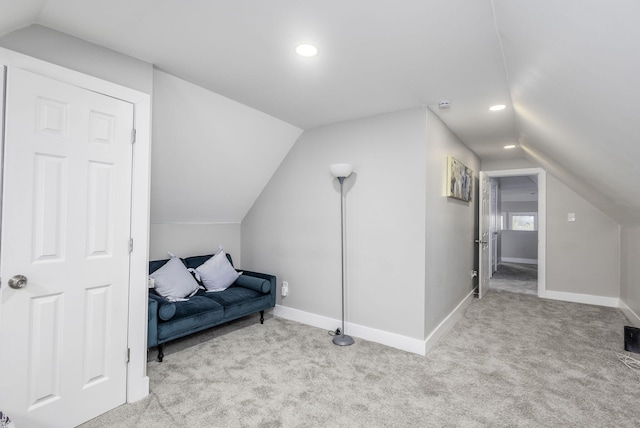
pixel 233 295
pixel 239 301
pixel 196 305
pixel 191 316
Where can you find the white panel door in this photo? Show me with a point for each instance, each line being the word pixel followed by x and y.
pixel 483 239
pixel 493 226
pixel 65 227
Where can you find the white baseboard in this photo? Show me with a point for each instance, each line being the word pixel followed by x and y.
pixel 517 260
pixel 447 323
pixel 628 312
pixel 612 302
pixel 397 341
pixel 404 343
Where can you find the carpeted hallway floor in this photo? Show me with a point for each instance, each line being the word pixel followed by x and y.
pixel 515 277
pixel 512 360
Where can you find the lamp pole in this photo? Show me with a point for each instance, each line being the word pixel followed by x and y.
pixel 341 173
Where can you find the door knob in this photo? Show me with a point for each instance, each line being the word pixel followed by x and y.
pixel 18 282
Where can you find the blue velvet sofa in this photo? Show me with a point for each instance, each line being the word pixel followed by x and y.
pixel 252 292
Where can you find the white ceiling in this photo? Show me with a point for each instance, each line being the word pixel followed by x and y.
pixel 568 70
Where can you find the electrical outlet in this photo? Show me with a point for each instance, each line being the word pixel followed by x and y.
pixel 285 288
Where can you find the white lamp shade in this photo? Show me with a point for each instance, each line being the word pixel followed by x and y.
pixel 341 169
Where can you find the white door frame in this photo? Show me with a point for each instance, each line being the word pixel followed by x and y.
pixel 137 380
pixel 542 217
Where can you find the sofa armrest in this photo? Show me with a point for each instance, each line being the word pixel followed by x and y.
pixel 152 323
pixel 166 309
pixel 272 283
pixel 253 283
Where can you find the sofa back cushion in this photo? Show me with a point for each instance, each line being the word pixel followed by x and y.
pixel 154 265
pixel 196 261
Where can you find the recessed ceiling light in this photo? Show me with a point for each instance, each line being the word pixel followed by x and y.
pixel 510 146
pixel 498 107
pixel 306 50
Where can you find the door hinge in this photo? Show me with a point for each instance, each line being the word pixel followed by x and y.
pixel 128 355
pixel 133 136
pixel 130 245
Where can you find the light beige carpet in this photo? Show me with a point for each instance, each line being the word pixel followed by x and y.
pixel 512 360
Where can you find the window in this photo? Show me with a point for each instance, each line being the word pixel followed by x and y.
pixel 523 221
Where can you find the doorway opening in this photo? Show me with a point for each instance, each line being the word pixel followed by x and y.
pixel 516 237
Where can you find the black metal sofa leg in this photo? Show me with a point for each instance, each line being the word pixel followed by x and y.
pixel 160 352
pixel 261 317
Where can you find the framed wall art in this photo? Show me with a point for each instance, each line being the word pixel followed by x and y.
pixel 459 180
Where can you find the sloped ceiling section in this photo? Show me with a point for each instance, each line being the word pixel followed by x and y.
pixel 211 156
pixel 374 58
pixel 568 70
pixel 574 73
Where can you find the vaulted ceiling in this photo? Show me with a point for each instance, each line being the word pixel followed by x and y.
pixel 567 70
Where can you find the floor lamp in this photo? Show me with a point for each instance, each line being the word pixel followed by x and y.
pixel 342 171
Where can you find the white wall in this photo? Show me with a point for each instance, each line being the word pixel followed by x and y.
pixel 293 229
pixel 500 164
pixel 519 244
pixel 211 159
pixel 630 272
pixel 184 240
pixel 77 54
pixel 518 207
pixel 582 256
pixel 450 227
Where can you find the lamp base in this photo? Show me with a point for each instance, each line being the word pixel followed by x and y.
pixel 342 340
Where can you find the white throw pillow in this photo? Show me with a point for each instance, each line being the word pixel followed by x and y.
pixel 217 274
pixel 173 281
